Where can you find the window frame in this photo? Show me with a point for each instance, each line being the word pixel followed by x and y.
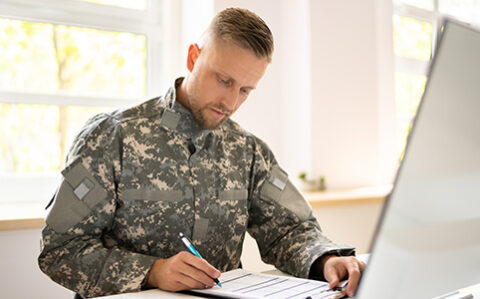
pixel 410 65
pixel 414 66
pixel 153 22
pixel 147 22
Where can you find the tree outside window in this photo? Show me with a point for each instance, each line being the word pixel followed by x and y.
pixel 415 26
pixel 66 60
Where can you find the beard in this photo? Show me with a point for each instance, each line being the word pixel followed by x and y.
pixel 200 114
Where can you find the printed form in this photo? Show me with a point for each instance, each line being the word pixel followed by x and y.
pixel 241 283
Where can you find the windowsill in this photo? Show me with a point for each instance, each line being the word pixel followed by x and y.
pixel 24 215
pixel 30 215
pixel 374 194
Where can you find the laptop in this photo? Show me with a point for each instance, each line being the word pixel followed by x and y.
pixel 427 242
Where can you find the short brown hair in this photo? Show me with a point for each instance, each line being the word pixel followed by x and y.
pixel 245 29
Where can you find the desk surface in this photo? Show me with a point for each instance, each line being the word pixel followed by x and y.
pixel 150 294
pixel 155 294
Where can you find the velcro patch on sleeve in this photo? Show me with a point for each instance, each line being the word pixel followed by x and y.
pixel 82 190
pixel 79 192
pixel 278 178
pixel 278 189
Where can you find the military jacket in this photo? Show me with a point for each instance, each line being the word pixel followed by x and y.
pixel 135 178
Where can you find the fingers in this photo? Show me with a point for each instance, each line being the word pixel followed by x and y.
pixel 354 271
pixel 200 264
pixel 331 275
pixel 182 271
pixel 339 268
pixel 193 281
pixel 362 266
pixel 191 276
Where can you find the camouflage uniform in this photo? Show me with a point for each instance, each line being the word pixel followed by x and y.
pixel 135 178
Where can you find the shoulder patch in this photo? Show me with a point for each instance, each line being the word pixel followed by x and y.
pixel 278 189
pixel 79 192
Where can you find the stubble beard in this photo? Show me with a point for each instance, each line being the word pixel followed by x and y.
pixel 199 115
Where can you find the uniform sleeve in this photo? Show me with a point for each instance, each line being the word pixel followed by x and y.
pixel 75 252
pixel 281 221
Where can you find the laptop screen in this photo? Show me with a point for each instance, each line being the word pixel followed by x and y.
pixel 428 240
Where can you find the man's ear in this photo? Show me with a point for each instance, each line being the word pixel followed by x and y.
pixel 193 52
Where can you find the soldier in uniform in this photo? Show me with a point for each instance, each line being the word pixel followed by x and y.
pixel 135 178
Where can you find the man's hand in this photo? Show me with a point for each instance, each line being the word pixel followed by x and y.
pixel 337 268
pixel 182 271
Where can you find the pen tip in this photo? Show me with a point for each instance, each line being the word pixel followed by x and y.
pixel 181 235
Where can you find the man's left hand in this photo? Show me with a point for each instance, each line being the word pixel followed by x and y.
pixel 338 268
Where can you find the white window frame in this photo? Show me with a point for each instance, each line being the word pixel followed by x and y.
pixel 410 65
pixel 160 16
pixel 434 16
pixel 148 22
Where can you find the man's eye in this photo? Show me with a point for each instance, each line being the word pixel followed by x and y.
pixel 244 91
pixel 221 81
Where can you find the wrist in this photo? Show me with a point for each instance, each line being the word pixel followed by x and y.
pixel 325 259
pixel 316 270
pixel 150 279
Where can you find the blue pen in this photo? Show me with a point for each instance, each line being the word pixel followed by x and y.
pixel 192 249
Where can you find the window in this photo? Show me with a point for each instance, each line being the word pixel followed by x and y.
pixel 62 62
pixel 135 4
pixel 415 25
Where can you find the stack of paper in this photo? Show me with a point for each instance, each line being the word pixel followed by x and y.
pixel 245 284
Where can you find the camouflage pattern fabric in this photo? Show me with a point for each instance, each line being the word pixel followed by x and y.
pixel 136 178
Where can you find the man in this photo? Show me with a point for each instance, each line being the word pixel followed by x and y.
pixel 136 178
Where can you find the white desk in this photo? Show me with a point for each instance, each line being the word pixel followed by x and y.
pixel 150 294
pixel 156 293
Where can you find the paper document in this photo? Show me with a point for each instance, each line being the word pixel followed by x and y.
pixel 241 283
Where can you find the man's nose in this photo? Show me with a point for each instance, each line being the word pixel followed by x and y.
pixel 230 99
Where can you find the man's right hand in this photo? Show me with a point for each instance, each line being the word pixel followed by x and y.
pixel 182 271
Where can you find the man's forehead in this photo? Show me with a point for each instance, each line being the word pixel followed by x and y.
pixel 235 62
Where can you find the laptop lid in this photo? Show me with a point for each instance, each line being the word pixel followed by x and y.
pixel 428 240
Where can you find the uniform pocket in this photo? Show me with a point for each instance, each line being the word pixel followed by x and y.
pixel 231 211
pixel 148 220
pixel 227 226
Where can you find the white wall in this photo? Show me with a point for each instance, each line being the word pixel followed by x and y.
pixel 20 276
pixel 352 75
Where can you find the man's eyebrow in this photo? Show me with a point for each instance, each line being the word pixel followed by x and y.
pixel 231 79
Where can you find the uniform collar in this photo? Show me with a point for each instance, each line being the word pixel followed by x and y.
pixel 177 118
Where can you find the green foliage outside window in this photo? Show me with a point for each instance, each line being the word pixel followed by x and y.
pixel 412 38
pixel 413 41
pixel 59 59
